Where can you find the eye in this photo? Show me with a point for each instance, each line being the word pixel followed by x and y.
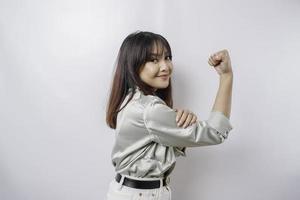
pixel 154 60
pixel 168 57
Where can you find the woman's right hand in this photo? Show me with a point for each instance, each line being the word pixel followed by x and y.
pixel 221 62
pixel 185 117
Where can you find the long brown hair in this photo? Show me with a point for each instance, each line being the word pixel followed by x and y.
pixel 134 52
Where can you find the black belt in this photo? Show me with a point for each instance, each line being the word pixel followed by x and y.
pixel 147 184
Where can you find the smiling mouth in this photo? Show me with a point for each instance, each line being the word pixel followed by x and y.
pixel 163 76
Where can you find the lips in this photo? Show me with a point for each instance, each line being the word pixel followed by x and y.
pixel 165 75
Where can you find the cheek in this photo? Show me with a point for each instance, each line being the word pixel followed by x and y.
pixel 152 71
pixel 171 69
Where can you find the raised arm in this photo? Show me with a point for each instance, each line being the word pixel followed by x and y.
pixel 223 98
pixel 160 119
pixel 222 64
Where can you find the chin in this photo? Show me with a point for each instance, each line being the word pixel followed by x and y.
pixel 162 87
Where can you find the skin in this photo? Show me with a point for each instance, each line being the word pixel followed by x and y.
pixel 150 73
pixel 222 64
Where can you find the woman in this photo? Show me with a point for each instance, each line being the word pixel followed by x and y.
pixel 150 134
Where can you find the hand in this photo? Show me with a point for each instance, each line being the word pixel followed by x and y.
pixel 221 62
pixel 186 117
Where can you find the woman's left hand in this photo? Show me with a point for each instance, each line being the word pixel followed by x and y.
pixel 185 117
pixel 221 62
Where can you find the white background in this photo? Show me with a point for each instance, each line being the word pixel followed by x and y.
pixel 56 65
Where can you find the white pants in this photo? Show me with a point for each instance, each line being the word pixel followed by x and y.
pixel 117 191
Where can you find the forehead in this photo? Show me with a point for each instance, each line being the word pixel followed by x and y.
pixel 158 49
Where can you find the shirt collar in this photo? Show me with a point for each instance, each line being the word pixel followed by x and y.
pixel 137 92
pixel 136 89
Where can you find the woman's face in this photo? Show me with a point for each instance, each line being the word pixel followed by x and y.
pixel 156 73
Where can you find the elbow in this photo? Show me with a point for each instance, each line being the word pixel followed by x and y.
pixel 217 137
pixel 222 136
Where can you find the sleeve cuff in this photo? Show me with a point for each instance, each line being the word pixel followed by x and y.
pixel 180 152
pixel 219 122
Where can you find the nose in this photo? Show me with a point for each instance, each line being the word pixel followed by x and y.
pixel 164 65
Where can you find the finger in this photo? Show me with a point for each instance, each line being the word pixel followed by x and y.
pixel 188 120
pixel 179 113
pixel 194 119
pixel 211 61
pixel 217 62
pixel 216 58
pixel 183 118
pixel 221 55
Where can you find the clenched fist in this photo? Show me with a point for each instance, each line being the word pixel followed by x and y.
pixel 221 62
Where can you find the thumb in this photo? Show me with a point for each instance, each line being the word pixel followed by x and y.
pixel 217 57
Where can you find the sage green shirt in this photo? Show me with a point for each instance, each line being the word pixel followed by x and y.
pixel 148 139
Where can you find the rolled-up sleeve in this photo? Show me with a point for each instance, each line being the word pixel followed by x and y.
pixel 179 151
pixel 160 120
